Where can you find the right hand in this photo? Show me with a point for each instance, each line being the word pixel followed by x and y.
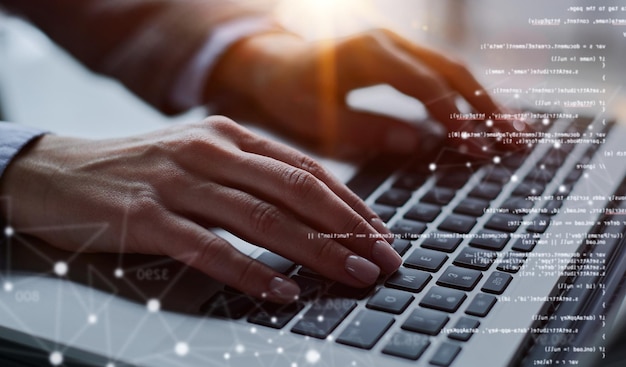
pixel 158 193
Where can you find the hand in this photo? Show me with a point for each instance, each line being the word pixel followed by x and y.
pixel 157 194
pixel 302 87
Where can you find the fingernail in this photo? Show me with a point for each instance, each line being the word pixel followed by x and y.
pixel 400 141
pixel 386 257
pixel 361 269
pixel 284 289
pixel 381 228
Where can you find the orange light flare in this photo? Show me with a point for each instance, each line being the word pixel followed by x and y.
pixel 322 21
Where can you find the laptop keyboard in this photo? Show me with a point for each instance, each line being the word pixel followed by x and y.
pixel 464 232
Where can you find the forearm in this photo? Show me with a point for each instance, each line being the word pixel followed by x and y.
pixel 146 44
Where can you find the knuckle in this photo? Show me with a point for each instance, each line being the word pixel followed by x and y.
pixel 144 205
pixel 327 250
pixel 211 251
pixel 356 225
pixel 249 275
pixel 264 217
pixel 312 166
pixel 301 183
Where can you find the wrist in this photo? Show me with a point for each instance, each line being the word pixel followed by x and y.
pixel 252 65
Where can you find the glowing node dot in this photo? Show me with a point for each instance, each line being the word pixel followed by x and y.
pixel 590 127
pixel 545 121
pixel 557 145
pixel 514 178
pixel 270 341
pixel 530 145
pixel 60 268
pixel 516 96
pixel 153 305
pixel 110 364
pixel 489 123
pixel 92 319
pixel 273 320
pixel 118 273
pixel 533 191
pixel 468 164
pixel 56 358
pixel 320 318
pixel 432 167
pixel 252 330
pixel 8 286
pixel 478 93
pixel 543 166
pixel 590 203
pixel 330 338
pixel 181 349
pixel 586 175
pixel 256 354
pixel 263 295
pixel 9 231
pixel 562 188
pixel 354 363
pixel 227 356
pixel 496 160
pixel 464 135
pixel 294 364
pixel 484 148
pixel 239 348
pixel 312 356
pixel 279 350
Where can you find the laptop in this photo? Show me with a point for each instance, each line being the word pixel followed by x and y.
pixel 510 261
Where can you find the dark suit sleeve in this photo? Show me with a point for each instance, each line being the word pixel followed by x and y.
pixel 143 43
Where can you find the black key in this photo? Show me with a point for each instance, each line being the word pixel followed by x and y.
pixel 276 262
pixel 410 181
pixel 410 280
pixel 384 212
pixel 511 262
pixel 514 160
pixel 423 212
pixel 442 241
pixel 443 299
pixel 394 197
pixel 365 329
pixel 498 175
pixel 552 207
pixel 457 223
pixel 323 317
pixel 408 229
pixel 460 278
pixel 454 180
pixel 517 205
pixel 481 305
pixel 275 315
pixel 425 321
pixel 228 305
pixel 439 196
pixel 542 174
pixel 309 288
pixel 426 259
pixel 464 328
pixel 475 259
pixel 390 300
pixel 346 291
pixel 504 222
pixel 573 175
pixel 401 246
pixel 472 206
pixel 308 272
pixel 490 240
pixel 528 188
pixel 497 282
pixel 539 224
pixel 486 190
pixel 524 244
pixel 407 345
pixel 445 354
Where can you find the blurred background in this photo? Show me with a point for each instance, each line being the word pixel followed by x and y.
pixel 41 85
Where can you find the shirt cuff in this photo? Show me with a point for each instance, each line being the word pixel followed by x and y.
pixel 188 89
pixel 13 138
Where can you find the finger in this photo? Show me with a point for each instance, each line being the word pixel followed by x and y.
pixel 281 152
pixel 193 245
pixel 266 225
pixel 313 202
pixel 455 73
